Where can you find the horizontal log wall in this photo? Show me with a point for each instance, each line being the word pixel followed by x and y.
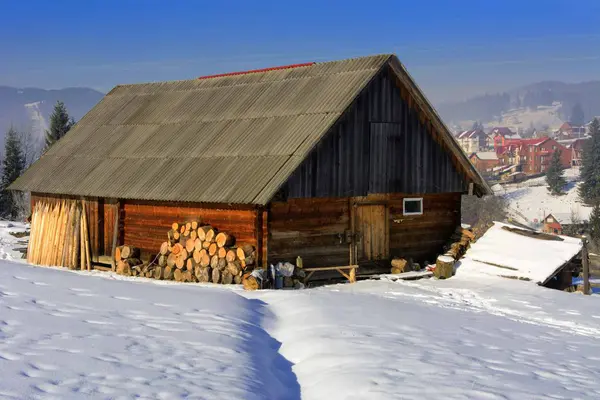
pixel 93 216
pixel 421 237
pixel 146 223
pixel 310 227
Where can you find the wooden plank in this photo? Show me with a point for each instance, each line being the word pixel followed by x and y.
pixel 312 269
pixel 115 236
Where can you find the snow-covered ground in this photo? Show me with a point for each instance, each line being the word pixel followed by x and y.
pixel 523 118
pixel 530 200
pixel 68 335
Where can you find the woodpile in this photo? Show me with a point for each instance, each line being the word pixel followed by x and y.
pixel 60 235
pixel 461 241
pixel 193 252
pixel 127 260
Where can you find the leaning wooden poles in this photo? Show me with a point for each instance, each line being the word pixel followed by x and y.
pixel 60 235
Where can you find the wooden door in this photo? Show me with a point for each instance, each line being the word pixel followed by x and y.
pixel 371 225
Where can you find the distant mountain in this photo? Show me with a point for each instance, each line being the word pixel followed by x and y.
pixel 490 107
pixel 29 109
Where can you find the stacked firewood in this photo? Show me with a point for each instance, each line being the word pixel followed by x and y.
pixel 461 241
pixel 198 253
pixel 127 260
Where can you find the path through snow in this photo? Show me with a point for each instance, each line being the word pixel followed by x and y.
pixel 66 336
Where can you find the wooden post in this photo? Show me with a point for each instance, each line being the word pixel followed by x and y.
pixel 115 236
pixel 586 267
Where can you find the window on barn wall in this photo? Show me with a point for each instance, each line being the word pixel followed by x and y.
pixel 413 206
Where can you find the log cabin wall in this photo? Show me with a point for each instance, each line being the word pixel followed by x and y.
pixel 382 144
pixel 146 223
pixel 315 228
pixel 309 228
pixel 421 237
pixel 94 217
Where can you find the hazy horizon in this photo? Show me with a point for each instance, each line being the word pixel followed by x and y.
pixel 453 51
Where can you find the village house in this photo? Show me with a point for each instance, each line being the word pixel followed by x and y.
pixel 532 155
pixel 575 149
pixel 569 130
pixel 340 163
pixel 472 140
pixel 560 223
pixel 485 161
pixel 501 135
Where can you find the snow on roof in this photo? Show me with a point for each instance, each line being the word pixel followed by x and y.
pixel 562 217
pixel 486 155
pixel 502 252
pixel 470 134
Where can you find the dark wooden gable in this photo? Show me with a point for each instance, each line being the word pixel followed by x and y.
pixel 380 145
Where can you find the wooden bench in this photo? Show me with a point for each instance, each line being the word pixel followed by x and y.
pixel 350 275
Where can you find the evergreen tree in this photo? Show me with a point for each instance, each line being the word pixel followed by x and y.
pixel 13 166
pixel 554 176
pixel 477 125
pixel 595 225
pixel 60 123
pixel 589 189
pixel 577 115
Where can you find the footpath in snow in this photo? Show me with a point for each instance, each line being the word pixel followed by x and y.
pixel 66 335
pixel 430 339
pixel 72 335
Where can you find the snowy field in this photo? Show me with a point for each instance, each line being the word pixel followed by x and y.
pixel 530 200
pixel 72 335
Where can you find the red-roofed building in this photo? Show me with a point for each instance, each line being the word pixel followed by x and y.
pixel 532 155
pixel 501 135
pixel 569 130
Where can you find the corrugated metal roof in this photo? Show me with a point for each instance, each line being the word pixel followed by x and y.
pixel 224 139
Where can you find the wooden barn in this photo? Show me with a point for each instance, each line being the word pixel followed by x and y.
pixel 341 163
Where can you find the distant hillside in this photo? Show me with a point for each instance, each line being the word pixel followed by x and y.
pixel 30 108
pixel 490 107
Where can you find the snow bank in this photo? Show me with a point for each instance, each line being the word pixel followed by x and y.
pixel 69 336
pixel 530 200
pixel 503 253
pixel 435 339
pixel 9 243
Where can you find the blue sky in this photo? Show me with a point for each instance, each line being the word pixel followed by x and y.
pixel 454 48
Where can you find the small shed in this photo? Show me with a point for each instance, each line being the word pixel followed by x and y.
pixel 562 223
pixel 341 163
pixel 513 252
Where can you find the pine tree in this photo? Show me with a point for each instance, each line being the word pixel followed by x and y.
pixel 554 176
pixel 60 123
pixel 595 225
pixel 13 166
pixel 589 189
pixel 577 115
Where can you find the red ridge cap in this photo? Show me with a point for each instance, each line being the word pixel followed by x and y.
pixel 253 71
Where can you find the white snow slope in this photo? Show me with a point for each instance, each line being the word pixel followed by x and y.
pixel 69 335
pixel 530 200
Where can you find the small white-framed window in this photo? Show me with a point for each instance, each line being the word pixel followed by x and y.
pixel 412 206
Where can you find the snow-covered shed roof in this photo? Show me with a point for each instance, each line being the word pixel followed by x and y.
pixel 509 251
pixel 562 218
pixel 486 155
